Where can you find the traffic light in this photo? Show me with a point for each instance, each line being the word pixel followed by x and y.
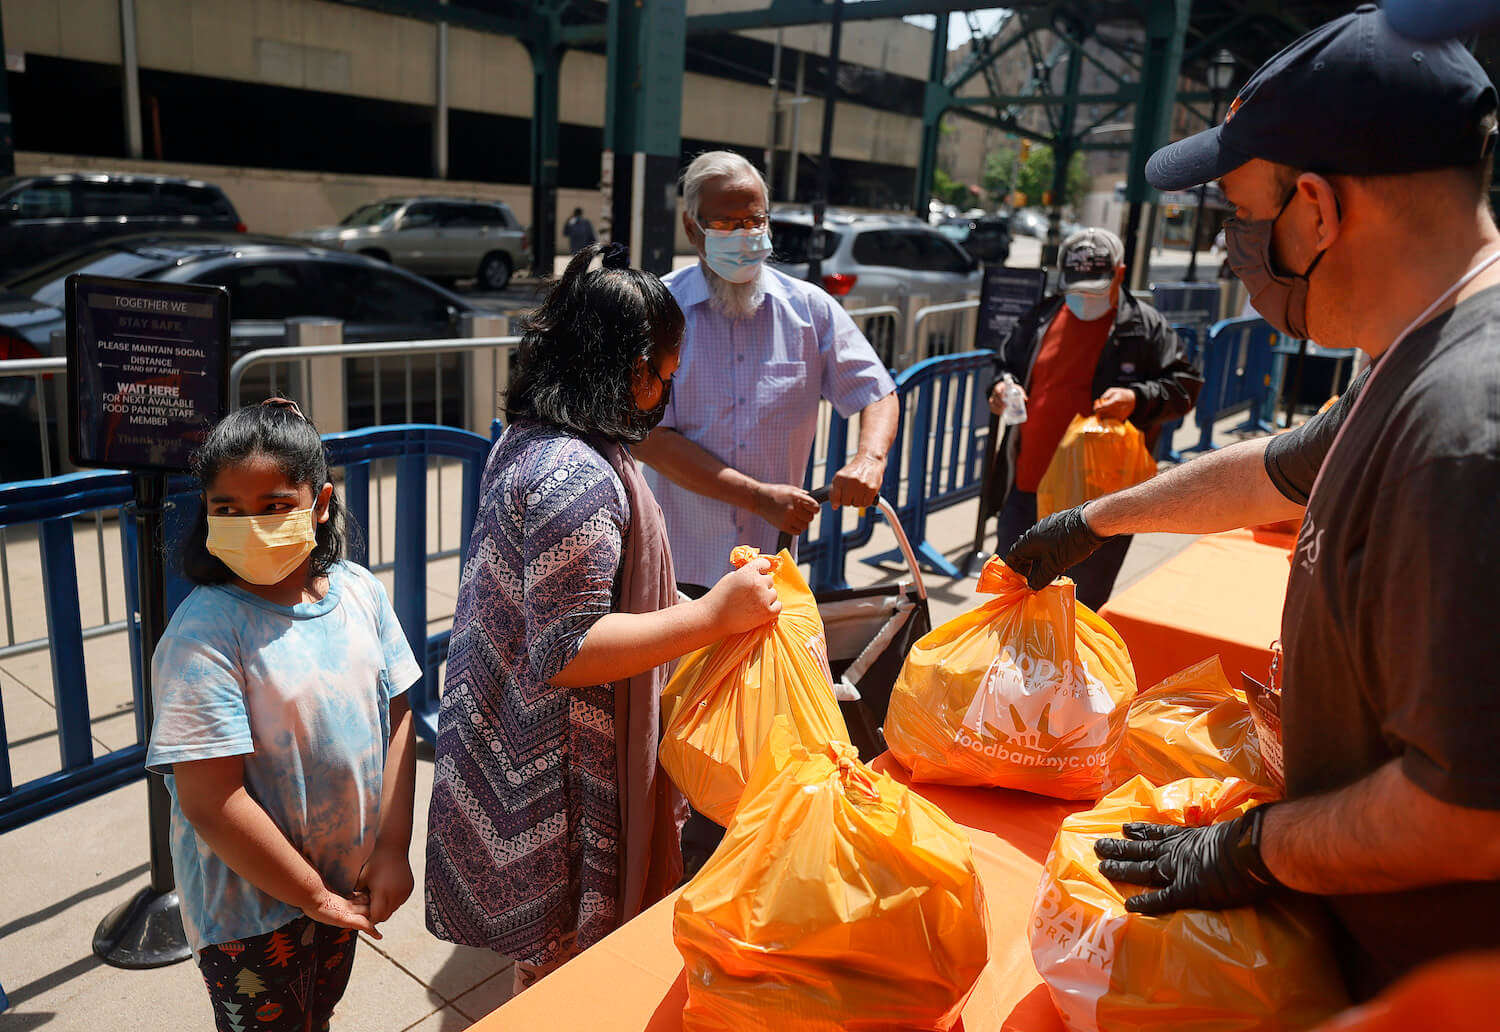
pixel 1046 198
pixel 1025 149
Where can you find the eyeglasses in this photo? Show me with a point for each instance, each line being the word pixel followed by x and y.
pixel 729 225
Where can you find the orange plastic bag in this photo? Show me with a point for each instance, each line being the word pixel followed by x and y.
pixel 719 705
pixel 1096 457
pixel 1454 994
pixel 839 900
pixel 1028 691
pixel 1266 968
pixel 1192 725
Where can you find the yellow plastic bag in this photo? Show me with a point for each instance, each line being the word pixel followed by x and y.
pixel 719 705
pixel 1096 457
pixel 1192 725
pixel 1250 969
pixel 839 900
pixel 1028 691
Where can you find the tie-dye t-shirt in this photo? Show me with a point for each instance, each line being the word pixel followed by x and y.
pixel 303 693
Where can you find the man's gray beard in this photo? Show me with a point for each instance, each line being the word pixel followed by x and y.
pixel 734 300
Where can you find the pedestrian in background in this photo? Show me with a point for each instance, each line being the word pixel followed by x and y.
pixel 579 231
pixel 1090 349
pixel 283 729
pixel 551 822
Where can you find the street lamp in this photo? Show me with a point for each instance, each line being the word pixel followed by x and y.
pixel 1220 75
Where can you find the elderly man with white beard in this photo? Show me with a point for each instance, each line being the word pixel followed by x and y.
pixel 759 351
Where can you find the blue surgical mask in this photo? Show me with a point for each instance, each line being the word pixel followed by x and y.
pixel 1088 307
pixel 736 254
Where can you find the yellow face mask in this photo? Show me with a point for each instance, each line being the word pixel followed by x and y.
pixel 263 549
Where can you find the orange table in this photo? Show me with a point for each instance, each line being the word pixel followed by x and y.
pixel 633 980
pixel 1221 595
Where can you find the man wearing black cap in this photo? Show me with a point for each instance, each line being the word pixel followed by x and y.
pixel 1358 162
pixel 1090 349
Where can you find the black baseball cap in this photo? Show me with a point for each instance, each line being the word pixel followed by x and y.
pixel 1352 97
pixel 1441 19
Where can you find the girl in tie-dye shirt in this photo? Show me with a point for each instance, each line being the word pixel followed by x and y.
pixel 283 730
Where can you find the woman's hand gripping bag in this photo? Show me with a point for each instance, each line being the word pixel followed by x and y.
pixel 1192 725
pixel 839 900
pixel 718 706
pixel 1096 457
pixel 1028 691
pixel 1249 969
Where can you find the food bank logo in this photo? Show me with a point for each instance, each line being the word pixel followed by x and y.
pixel 1027 708
pixel 1068 930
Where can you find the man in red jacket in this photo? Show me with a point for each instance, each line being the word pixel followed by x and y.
pixel 1091 349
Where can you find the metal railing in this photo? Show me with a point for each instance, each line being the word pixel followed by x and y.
pixel 1237 366
pixel 39 371
pixel 946 329
pixel 881 325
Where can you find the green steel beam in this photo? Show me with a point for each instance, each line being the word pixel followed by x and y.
pixel 934 107
pixel 1109 116
pixel 1166 31
pixel 1048 99
pixel 432 11
pixel 1062 155
pixel 1008 125
pixel 975 62
pixel 1207 46
pixel 647 50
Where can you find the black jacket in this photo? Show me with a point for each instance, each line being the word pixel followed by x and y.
pixel 1142 353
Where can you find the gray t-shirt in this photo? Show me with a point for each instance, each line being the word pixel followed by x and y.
pixel 1389 637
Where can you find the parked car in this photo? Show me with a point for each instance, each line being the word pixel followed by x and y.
pixel 442 238
pixel 986 237
pixel 270 280
pixel 874 260
pixel 1029 223
pixel 44 216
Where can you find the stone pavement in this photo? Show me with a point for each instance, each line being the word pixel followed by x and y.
pixel 63 874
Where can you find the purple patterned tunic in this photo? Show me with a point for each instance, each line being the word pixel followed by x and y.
pixel 523 829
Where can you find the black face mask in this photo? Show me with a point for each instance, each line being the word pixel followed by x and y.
pixel 1281 300
pixel 643 421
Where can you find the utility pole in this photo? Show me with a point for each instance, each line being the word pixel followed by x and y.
pixel 825 159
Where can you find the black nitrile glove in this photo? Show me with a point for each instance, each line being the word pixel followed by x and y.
pixel 1056 543
pixel 1209 868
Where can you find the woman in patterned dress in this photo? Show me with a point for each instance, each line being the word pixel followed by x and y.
pixel 551 823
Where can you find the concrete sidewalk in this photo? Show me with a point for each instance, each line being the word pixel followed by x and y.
pixel 63 874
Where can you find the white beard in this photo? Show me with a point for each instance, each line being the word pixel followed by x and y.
pixel 733 300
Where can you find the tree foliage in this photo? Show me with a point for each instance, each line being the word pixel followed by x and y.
pixel 1033 177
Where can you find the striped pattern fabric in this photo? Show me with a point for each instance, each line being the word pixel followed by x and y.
pixel 523 828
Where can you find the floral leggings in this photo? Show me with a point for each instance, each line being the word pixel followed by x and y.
pixel 284 981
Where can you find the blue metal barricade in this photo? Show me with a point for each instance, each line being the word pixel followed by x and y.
pixel 1191 304
pixel 938 457
pixel 411 445
pixel 1236 375
pixel 51 506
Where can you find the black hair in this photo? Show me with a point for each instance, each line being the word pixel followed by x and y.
pixel 277 430
pixel 579 350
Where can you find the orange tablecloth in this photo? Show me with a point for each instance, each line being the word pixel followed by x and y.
pixel 633 980
pixel 1221 595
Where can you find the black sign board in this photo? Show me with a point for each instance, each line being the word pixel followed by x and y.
pixel 148 371
pixel 1004 297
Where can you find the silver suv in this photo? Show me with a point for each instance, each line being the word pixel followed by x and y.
pixel 442 238
pixel 871 260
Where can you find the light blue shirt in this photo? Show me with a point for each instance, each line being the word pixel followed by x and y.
pixel 747 391
pixel 303 693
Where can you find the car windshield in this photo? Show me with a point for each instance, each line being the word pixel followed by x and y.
pixel 792 241
pixel 371 214
pixel 45 282
pixel 957 232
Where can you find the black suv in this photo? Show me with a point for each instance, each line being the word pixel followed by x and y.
pixel 43 216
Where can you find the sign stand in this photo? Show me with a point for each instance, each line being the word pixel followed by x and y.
pixel 1005 295
pixel 146 930
pixel 147 377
